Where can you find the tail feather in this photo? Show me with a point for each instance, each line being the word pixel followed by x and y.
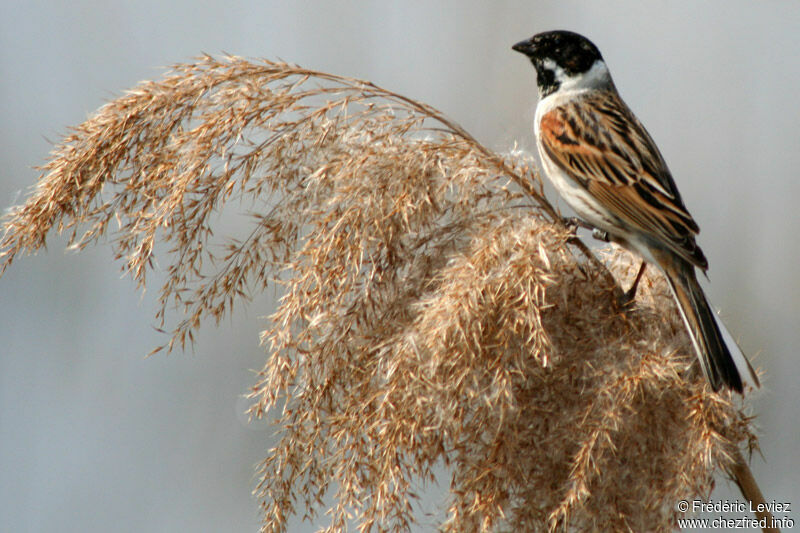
pixel 712 351
pixel 739 358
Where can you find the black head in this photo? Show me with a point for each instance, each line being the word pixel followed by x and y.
pixel 574 54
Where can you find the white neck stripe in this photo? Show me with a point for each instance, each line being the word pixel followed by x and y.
pixel 595 78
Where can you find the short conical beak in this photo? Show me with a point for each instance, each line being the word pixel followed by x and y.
pixel 523 47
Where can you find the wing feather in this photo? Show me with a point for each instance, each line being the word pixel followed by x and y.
pixel 600 143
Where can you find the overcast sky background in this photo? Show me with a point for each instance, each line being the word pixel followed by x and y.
pixel 93 437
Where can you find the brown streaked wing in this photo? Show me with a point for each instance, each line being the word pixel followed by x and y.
pixel 604 147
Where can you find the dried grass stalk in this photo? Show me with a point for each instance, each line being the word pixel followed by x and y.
pixel 435 311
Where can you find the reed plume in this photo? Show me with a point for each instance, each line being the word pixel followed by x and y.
pixel 435 310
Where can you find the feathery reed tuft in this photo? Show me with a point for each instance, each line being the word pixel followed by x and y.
pixel 435 310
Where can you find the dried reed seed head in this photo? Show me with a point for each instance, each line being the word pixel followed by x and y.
pixel 432 313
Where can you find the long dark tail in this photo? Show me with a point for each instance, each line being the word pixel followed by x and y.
pixel 712 351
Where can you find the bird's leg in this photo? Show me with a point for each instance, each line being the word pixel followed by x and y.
pixel 600 235
pixel 576 222
pixel 573 223
pixel 630 294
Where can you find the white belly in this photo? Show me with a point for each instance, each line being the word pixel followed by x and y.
pixel 589 210
pixel 576 196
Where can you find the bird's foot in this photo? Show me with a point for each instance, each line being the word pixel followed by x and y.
pixel 600 235
pixel 572 223
pixel 628 296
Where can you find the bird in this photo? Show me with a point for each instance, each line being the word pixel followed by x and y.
pixel 608 169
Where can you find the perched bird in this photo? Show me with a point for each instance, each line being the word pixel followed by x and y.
pixel 608 169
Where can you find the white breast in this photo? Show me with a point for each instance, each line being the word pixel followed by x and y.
pixel 576 196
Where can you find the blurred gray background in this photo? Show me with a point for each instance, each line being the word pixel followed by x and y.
pixel 94 437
